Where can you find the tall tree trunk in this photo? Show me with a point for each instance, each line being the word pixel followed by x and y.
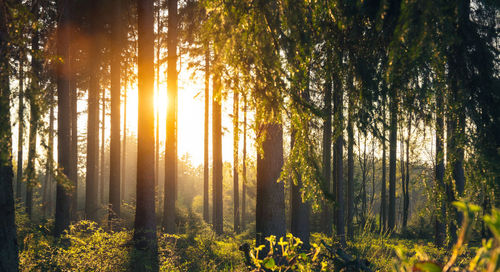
pixel 49 166
pixel 326 219
pixel 440 231
pixel 300 211
pixel 217 217
pixel 34 97
pixel 63 198
pixel 383 202
pixel 236 140
pixel 9 260
pixel 171 141
pixel 338 161
pixel 124 152
pixel 157 127
pixel 74 143
pixel 270 201
pixel 244 165
pixel 102 150
pixel 91 179
pixel 20 136
pixel 114 164
pixel 145 243
pixel 206 212
pixel 392 159
pixel 350 165
pixel 406 204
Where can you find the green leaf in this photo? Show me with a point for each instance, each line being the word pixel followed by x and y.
pixel 427 267
pixel 269 263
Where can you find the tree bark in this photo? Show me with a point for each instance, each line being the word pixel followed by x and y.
pixel 244 165
pixel 440 227
pixel 326 220
pixel 206 213
pixel 102 150
pixel 9 260
pixel 383 202
pixel 392 159
pixel 338 109
pixel 74 142
pixel 114 171
pixel 124 152
pixel 20 136
pixel 145 242
pixel 350 165
pixel 217 217
pixel 171 141
pixel 236 190
pixel 63 198
pixel 270 201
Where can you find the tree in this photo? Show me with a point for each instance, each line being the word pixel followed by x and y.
pixel 338 159
pixel 114 172
pixel 20 134
pixel 383 197
pixel 217 217
pixel 244 165
pixel 440 227
pixel 327 152
pixel 9 260
pixel 206 215
pixel 91 178
pixel 393 128
pixel 236 136
pixel 171 141
pixel 350 161
pixel 64 190
pixel 145 243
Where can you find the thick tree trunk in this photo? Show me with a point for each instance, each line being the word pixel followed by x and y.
pixel 217 217
pixel 300 211
pixel 91 179
pixel 270 202
pixel 206 213
pixel 8 238
pixel 391 222
pixel 244 166
pixel 114 164
pixel 338 161
pixel 20 136
pixel 236 186
pixel 145 242
pixel 63 198
pixel 171 141
pixel 326 218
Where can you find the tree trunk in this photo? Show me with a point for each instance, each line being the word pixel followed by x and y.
pixel 114 164
pixel 392 159
pixel 326 219
pixel 20 138
pixel 91 179
pixel 244 166
pixel 124 152
pixel 8 238
pixel 217 217
pixel 74 143
pixel 47 189
pixel 440 231
pixel 236 190
pixel 63 198
pixel 338 161
pixel 157 127
pixel 350 166
pixel 206 212
pixel 406 204
pixel 270 201
pixel 383 202
pixel 145 243
pixel 171 141
pixel 34 100
pixel 102 150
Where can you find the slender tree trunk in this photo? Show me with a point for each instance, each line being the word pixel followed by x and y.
pixel 350 165
pixel 20 139
pixel 63 198
pixel 157 137
pixel 383 202
pixel 363 167
pixel 74 143
pixel 47 189
pixel 9 260
pixel 91 179
pixel 440 231
pixel 114 164
pixel 244 165
pixel 338 165
pixel 34 97
pixel 392 159
pixel 217 217
pixel 406 204
pixel 102 150
pixel 124 152
pixel 372 197
pixel 206 212
pixel 171 141
pixel 145 242
pixel 270 201
pixel 236 186
pixel 326 220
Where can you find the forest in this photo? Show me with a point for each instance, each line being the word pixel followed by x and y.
pixel 250 135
